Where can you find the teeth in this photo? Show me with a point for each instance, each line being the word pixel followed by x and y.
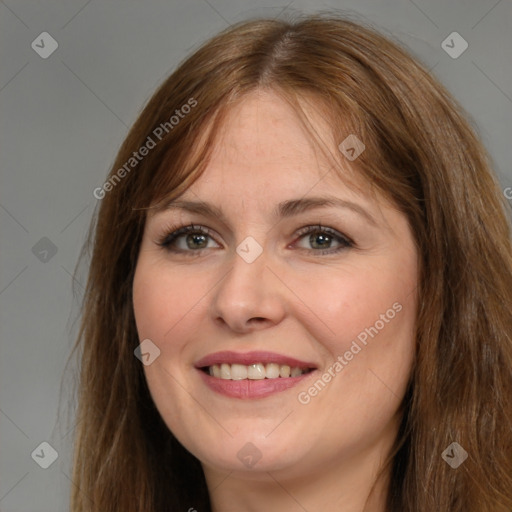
pixel 225 371
pixel 284 370
pixel 295 372
pixel 238 372
pixel 272 371
pixel 257 371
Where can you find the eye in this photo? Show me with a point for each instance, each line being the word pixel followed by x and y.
pixel 186 239
pixel 191 240
pixel 321 239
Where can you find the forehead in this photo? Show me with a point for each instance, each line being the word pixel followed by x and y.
pixel 264 145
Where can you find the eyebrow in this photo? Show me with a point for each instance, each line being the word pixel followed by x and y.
pixel 284 209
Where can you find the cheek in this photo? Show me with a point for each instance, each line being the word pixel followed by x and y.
pixel 162 298
pixel 361 304
pixel 164 302
pixel 366 324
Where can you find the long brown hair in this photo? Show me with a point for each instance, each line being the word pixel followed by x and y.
pixel 423 155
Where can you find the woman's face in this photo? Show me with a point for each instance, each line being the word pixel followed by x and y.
pixel 264 277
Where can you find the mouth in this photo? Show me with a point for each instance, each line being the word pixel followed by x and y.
pixel 255 365
pixel 253 374
pixel 255 371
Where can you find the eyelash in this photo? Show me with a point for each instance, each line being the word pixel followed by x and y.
pixel 174 232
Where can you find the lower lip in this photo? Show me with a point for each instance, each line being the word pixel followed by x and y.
pixel 247 389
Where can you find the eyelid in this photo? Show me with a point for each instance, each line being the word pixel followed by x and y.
pixel 174 232
pixel 345 241
pixel 312 228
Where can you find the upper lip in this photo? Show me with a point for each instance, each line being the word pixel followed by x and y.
pixel 248 358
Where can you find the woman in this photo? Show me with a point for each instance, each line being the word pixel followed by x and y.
pixel 300 293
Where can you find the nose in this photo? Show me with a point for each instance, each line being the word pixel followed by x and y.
pixel 249 297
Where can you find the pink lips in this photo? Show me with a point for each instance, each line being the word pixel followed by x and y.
pixel 251 389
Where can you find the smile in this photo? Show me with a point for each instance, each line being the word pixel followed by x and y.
pixel 257 371
pixel 255 374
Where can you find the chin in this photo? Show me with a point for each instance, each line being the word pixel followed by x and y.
pixel 242 455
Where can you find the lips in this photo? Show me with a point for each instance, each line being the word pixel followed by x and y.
pixel 250 358
pixel 251 386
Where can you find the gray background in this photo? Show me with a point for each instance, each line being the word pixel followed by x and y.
pixel 62 121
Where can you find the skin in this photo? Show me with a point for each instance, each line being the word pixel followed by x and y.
pixel 323 455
